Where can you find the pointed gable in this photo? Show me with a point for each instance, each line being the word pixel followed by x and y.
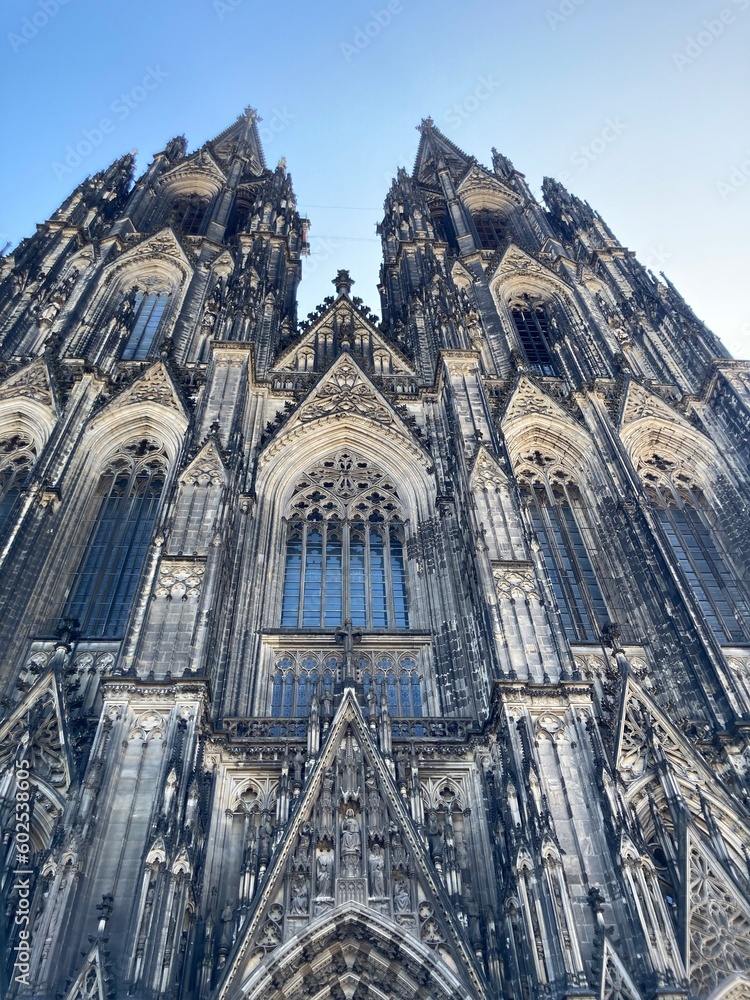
pixel 38 723
pixel 347 322
pixel 351 851
pixel 639 403
pixel 206 469
pixel 435 149
pixel 528 399
pixel 241 138
pixel 517 261
pixel 92 981
pixel 486 473
pixel 165 244
pixel 617 983
pixel 30 382
pixel 155 385
pixel 343 394
pixel 645 735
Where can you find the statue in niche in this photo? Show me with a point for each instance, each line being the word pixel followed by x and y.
pixel 326 804
pixel 298 905
pixel 374 804
pixel 265 835
pixel 398 852
pixel 401 898
pixel 351 848
pixel 324 872
pixel 376 866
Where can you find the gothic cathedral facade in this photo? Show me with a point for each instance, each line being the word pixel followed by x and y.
pixel 364 659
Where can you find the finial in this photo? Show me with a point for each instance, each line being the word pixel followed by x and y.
pixel 425 124
pixel 252 115
pixel 343 282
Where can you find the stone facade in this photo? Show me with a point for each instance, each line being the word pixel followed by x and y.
pixel 348 658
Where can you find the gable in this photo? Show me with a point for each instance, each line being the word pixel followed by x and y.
pixel 350 849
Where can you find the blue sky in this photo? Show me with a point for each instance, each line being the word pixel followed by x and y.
pixel 641 108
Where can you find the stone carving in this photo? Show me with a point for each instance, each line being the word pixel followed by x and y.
pixel 153 386
pixel 300 897
pixel 529 400
pixel 376 868
pixel 324 873
pixel 515 581
pixel 206 469
pixel 31 382
pixel 719 928
pixel 401 895
pixel 351 846
pixel 345 392
pixel 179 580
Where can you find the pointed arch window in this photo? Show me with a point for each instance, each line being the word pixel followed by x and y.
pixel 685 517
pixel 534 332
pixel 345 549
pixel 188 213
pixel 556 514
pixel 148 313
pixel 17 456
pixel 489 226
pixel 125 508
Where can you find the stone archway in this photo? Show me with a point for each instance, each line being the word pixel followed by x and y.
pixel 354 955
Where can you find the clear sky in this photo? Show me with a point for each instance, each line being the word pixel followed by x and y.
pixel 642 108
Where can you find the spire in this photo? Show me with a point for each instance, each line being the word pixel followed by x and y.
pixel 436 150
pixel 241 139
pixel 343 282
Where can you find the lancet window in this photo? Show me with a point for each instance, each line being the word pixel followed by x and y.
pixel 17 456
pixel 534 331
pixel 188 213
pixel 148 313
pixel 557 516
pixel 687 521
pixel 489 226
pixel 345 549
pixel 119 532
pixel 393 680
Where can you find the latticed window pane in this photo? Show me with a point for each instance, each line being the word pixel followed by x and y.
pixel 720 599
pixel 188 214
pixel 577 593
pixel 345 554
pixel 149 312
pixel 17 455
pixel 489 226
pixel 533 331
pixel 292 581
pixel 333 583
pixel 108 574
pixel 398 574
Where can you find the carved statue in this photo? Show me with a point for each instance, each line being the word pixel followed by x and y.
pixel 376 866
pixel 401 898
pixel 324 870
pixel 374 804
pixel 298 905
pixel 351 848
pixel 326 805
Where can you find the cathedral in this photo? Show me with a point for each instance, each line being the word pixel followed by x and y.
pixel 361 658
